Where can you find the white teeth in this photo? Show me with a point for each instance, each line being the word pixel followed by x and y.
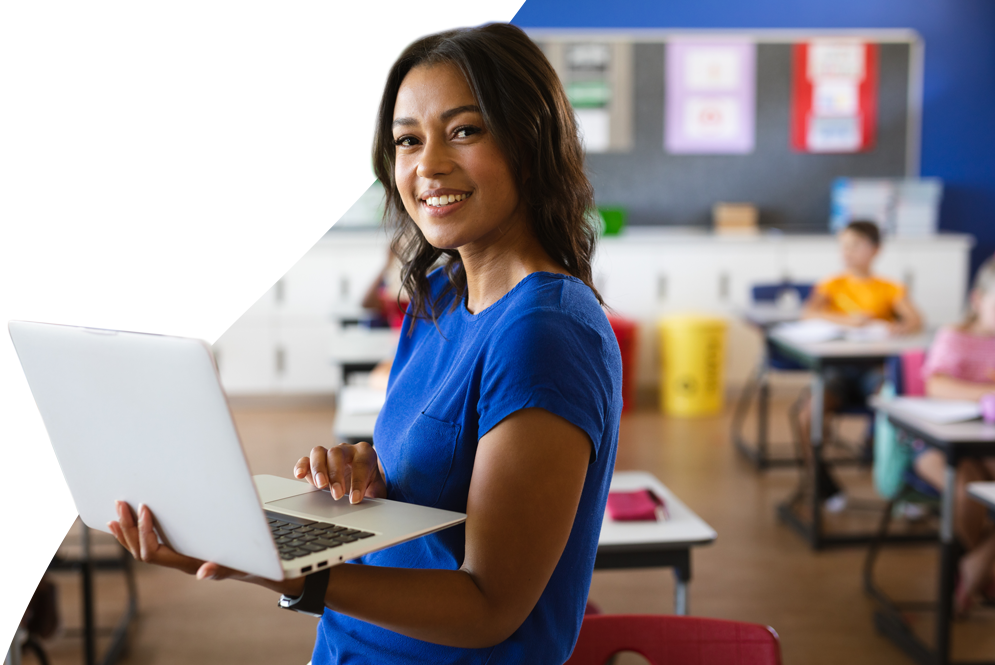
pixel 439 201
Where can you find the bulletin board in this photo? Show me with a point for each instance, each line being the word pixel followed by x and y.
pixel 790 188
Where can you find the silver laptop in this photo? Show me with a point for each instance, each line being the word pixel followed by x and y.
pixel 143 418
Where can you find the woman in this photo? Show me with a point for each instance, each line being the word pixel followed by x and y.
pixel 505 394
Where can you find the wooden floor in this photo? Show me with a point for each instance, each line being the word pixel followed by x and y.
pixel 756 571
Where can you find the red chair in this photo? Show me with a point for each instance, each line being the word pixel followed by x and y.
pixel 674 640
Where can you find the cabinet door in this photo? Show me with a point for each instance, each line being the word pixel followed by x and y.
pixel 247 360
pixel 305 365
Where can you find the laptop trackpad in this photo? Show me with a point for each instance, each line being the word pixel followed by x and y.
pixel 321 505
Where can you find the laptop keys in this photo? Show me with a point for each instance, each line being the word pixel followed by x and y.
pixel 296 537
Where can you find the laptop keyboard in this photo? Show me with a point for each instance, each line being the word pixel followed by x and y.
pixel 296 537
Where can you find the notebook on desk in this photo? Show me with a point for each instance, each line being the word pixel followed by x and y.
pixel 939 411
pixel 143 418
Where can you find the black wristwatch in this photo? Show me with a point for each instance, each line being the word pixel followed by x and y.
pixel 312 601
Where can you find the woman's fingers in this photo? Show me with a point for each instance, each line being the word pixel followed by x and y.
pixel 302 470
pixel 364 470
pixel 338 461
pixel 319 466
pixel 128 529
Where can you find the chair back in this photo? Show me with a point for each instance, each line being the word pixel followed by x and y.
pixel 674 640
pixel 912 364
pixel 770 293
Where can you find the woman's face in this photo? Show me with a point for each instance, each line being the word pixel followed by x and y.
pixel 984 308
pixel 453 178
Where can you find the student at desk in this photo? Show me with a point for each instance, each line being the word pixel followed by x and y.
pixel 961 365
pixel 855 298
pixel 27 462
pixel 505 395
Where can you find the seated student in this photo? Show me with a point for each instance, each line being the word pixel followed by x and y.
pixel 856 297
pixel 961 365
pixel 27 462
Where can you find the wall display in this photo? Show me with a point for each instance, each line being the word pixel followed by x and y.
pixel 128 191
pixel 147 104
pixel 346 87
pixel 597 77
pixel 710 102
pixel 250 188
pixel 190 182
pixel 38 129
pixel 268 106
pixel 834 96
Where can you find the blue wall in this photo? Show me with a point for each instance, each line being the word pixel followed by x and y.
pixel 958 142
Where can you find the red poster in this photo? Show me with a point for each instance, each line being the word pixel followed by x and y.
pixel 834 96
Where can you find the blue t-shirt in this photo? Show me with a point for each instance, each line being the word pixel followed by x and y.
pixel 546 343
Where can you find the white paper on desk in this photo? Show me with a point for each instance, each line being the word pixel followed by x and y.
pixel 15 500
pixel 873 332
pixel 939 411
pixel 810 331
pixel 358 401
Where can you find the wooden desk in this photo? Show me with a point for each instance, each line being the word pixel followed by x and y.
pixel 356 413
pixel 817 357
pixel 28 539
pixel 653 544
pixel 956 441
pixel 155 319
pixel 24 426
pixel 983 493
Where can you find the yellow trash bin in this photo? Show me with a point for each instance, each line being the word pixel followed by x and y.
pixel 692 351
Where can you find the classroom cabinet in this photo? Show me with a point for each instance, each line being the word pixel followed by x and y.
pixel 291 341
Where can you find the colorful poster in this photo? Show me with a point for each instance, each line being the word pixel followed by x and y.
pixel 346 89
pixel 38 129
pixel 190 182
pixel 249 188
pixel 128 191
pixel 834 96
pixel 590 92
pixel 267 106
pixel 710 101
pixel 147 104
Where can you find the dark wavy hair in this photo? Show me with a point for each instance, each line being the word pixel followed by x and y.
pixel 525 108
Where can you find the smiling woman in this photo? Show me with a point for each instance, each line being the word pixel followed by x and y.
pixel 505 407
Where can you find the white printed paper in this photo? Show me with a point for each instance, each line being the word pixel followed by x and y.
pixel 252 188
pixel 190 182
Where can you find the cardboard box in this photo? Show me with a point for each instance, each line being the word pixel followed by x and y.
pixel 735 218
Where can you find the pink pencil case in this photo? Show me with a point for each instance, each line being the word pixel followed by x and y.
pixel 637 505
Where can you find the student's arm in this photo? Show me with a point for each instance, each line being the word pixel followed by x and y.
pixel 909 320
pixel 817 307
pixel 947 387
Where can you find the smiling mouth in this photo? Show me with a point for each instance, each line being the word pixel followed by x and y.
pixel 446 200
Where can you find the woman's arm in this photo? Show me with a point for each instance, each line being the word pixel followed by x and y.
pixel 947 387
pixel 527 480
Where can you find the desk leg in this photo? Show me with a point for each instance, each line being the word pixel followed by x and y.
pixel 682 575
pixel 89 623
pixel 13 656
pixel 818 404
pixel 763 413
pixel 11 624
pixel 948 563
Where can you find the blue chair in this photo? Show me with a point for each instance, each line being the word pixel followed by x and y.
pixel 758 386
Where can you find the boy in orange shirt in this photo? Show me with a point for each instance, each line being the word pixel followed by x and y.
pixel 855 298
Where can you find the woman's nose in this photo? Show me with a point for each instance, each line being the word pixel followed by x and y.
pixel 435 159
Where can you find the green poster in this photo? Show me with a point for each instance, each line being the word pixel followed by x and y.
pixel 128 191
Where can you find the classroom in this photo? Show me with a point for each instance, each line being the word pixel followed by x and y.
pixel 780 310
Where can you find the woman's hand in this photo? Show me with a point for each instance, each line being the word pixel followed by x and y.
pixel 345 467
pixel 139 538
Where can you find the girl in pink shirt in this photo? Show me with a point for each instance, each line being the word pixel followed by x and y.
pixel 961 365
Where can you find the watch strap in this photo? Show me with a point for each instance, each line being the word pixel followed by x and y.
pixel 312 601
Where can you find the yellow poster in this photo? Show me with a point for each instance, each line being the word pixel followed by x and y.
pixel 38 120
pixel 267 104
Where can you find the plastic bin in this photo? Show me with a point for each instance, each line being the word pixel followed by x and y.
pixel 625 333
pixel 692 350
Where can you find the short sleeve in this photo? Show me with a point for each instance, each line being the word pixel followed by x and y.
pixel 944 356
pixel 549 359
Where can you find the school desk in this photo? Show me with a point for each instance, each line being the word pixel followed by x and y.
pixel 818 357
pixel 956 441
